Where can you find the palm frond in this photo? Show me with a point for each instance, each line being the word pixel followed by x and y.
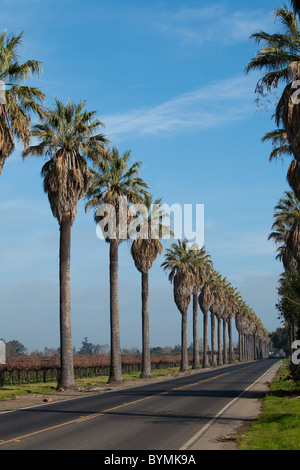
pixel 20 101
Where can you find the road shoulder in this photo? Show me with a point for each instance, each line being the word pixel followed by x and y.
pixel 235 419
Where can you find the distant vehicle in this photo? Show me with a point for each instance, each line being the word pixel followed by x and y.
pixel 276 356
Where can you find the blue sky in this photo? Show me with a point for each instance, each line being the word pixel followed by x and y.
pixel 167 80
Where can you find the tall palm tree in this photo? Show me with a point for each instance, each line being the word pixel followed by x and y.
pixel 239 323
pixel 279 59
pixel 232 307
pixel 17 101
pixel 289 302
pixel 209 300
pixel 202 264
pixel 144 250
pixel 217 292
pixel 67 137
pixel 218 308
pixel 182 273
pixel 115 184
pixel 205 300
pixel 286 234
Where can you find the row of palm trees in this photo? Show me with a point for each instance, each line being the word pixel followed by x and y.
pixel 193 276
pixel 70 138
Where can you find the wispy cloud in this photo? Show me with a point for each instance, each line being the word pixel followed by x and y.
pixel 209 106
pixel 245 244
pixel 214 24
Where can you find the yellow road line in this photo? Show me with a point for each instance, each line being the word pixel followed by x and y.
pixel 101 413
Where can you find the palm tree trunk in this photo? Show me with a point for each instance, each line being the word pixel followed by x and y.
pixel 184 350
pixel 213 341
pixel 66 376
pixel 255 347
pixel 115 375
pixel 196 360
pixel 225 359
pixel 205 340
pixel 244 347
pixel 146 359
pixel 231 352
pixel 240 346
pixel 220 355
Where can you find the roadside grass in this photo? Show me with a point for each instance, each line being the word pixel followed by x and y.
pixel 11 391
pixel 278 426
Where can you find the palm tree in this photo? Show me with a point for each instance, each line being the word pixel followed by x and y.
pixel 17 101
pixel 215 310
pixel 114 184
pixel 239 323
pixel 218 309
pixel 67 137
pixel 144 250
pixel 286 234
pixel 182 273
pixel 202 264
pixel 209 299
pixel 232 307
pixel 279 57
pixel 205 300
pixel 289 303
pixel 281 145
pixel 286 230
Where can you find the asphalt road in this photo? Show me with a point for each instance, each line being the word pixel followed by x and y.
pixel 158 416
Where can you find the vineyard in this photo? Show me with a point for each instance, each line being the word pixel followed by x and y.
pixel 29 370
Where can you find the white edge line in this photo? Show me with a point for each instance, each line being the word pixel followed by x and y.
pixel 203 430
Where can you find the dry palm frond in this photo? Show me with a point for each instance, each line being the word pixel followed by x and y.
pixel 288 112
pixel 183 289
pixel 65 184
pixel 181 272
pixel 293 177
pixel 150 222
pixel 207 295
pixel 67 137
pixel 115 184
pixel 145 252
pixel 205 299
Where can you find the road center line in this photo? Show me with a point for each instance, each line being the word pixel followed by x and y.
pixel 101 413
